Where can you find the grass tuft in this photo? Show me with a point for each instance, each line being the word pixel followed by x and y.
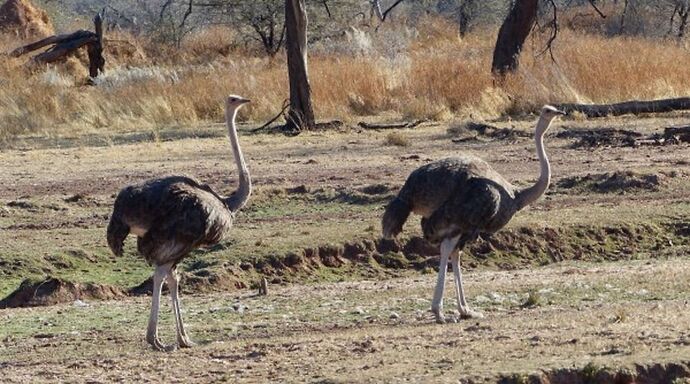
pixel 397 139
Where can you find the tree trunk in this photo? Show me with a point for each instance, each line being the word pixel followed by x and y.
pixel 629 107
pixel 95 49
pixel 301 114
pixel 465 16
pixel 512 35
pixel 683 13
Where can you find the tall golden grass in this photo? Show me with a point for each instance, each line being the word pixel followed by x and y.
pixel 437 75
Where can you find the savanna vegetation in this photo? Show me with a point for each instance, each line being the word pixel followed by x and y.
pixel 428 61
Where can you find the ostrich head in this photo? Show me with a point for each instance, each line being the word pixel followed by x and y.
pixel 548 113
pixel 234 102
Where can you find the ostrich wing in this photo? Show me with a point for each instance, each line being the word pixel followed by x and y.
pixel 187 219
pixel 471 209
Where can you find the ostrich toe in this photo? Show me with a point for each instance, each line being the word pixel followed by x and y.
pixel 184 342
pixel 440 318
pixel 158 346
pixel 470 314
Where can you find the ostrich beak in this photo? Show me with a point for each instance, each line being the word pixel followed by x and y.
pixel 245 101
pixel 561 112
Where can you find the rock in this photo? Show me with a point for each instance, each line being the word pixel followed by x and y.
pixel 359 311
pixel 79 303
pixel 239 308
pixel 496 297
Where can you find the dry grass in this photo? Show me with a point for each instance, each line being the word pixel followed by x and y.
pixel 397 139
pixel 435 75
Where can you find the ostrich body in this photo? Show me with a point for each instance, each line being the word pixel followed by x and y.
pixel 172 216
pixel 459 198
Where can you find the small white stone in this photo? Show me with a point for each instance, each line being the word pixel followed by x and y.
pixel 481 299
pixel 496 297
pixel 79 303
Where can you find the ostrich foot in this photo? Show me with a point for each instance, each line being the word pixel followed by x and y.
pixel 184 342
pixel 438 313
pixel 467 313
pixel 158 346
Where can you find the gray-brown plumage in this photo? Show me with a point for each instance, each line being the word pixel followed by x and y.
pixel 172 216
pixel 459 198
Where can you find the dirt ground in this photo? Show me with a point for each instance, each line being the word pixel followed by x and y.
pixel 616 302
pixel 606 315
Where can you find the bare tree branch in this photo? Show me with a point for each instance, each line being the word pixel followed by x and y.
pixel 325 5
pixel 554 33
pixel 186 15
pixel 376 5
pixel 594 5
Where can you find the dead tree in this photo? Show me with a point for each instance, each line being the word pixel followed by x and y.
pixel 634 107
pixel 65 45
pixel 301 113
pixel 380 13
pixel 512 35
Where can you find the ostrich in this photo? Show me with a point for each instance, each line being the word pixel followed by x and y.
pixel 172 216
pixel 459 198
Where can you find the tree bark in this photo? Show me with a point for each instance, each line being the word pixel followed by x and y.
pixel 64 45
pixel 301 114
pixel 57 39
pixel 512 35
pixel 95 49
pixel 629 107
pixel 61 50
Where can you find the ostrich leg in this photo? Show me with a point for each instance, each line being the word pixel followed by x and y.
pixel 152 330
pixel 465 311
pixel 447 246
pixel 173 285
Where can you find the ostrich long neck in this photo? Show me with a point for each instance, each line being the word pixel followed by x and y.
pixel 239 197
pixel 529 195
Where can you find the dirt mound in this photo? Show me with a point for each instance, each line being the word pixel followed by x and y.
pixel 51 291
pixel 24 20
pixel 590 373
pixel 508 249
pixel 366 194
pixel 201 280
pixel 616 182
pixel 361 195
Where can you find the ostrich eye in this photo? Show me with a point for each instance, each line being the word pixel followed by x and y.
pixel 233 99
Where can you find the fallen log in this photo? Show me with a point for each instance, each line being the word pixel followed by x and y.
pixel 634 107
pixel 404 124
pixel 65 44
pixel 57 39
pixel 59 51
pixel 679 134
